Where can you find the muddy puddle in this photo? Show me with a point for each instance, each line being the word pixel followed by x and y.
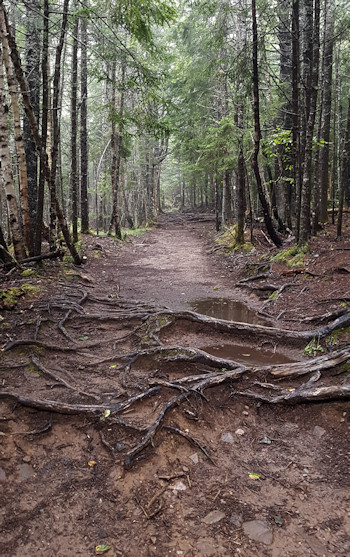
pixel 230 310
pixel 247 355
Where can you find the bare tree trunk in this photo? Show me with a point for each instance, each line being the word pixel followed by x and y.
pixel 44 129
pixel 32 72
pixel 21 155
pixel 277 240
pixel 6 169
pixel 327 104
pixel 304 232
pixel 344 164
pixel 296 111
pixel 35 133
pixel 56 126
pixel 84 150
pixel 116 147
pixel 74 132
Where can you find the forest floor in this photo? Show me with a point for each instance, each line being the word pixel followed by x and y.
pixel 140 417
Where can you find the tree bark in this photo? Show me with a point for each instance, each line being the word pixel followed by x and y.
pixel 44 129
pixel 6 169
pixel 311 100
pixel 327 105
pixel 35 132
pixel 21 154
pixel 277 240
pixel 74 132
pixel 84 148
pixel 32 73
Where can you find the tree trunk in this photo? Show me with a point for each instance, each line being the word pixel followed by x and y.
pixel 32 72
pixel 21 155
pixel 84 150
pixel 296 111
pixel 35 133
pixel 277 240
pixel 344 164
pixel 74 132
pixel 44 129
pixel 6 169
pixel 116 147
pixel 56 126
pixel 311 96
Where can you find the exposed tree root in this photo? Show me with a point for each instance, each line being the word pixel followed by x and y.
pixel 192 372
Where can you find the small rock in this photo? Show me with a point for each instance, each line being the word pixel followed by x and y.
pixel 265 440
pixel 120 447
pixel 194 458
pixel 213 517
pixel 153 540
pixel 245 413
pixel 2 475
pixel 259 531
pixel 227 438
pixel 319 431
pixel 185 468
pixel 26 459
pixel 246 407
pixel 179 486
pixel 239 431
pixel 236 519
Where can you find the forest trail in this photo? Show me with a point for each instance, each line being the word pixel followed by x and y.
pixel 170 266
pixel 118 431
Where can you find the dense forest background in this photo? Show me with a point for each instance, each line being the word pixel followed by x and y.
pixel 112 112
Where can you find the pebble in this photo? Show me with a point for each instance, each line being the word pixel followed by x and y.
pixel 319 431
pixel 26 458
pixel 213 517
pixel 194 458
pixel 239 431
pixel 259 531
pixel 227 438
pixel 245 413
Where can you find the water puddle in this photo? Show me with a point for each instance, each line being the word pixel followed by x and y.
pixel 222 308
pixel 247 355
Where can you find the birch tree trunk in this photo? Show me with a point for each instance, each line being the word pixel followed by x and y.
pixel 35 132
pixel 6 169
pixel 18 135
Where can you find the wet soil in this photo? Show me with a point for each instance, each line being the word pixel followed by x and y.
pixel 277 480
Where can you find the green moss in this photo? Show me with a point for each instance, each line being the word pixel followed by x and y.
pixel 135 231
pixel 228 241
pixel 293 257
pixel 9 296
pixel 29 273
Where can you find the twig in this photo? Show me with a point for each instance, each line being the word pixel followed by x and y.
pixel 191 439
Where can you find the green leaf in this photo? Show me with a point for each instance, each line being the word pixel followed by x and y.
pixel 254 476
pixel 100 549
pixel 84 338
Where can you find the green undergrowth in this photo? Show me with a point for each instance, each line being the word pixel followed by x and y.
pixel 9 297
pixel 134 231
pixel 228 241
pixel 293 257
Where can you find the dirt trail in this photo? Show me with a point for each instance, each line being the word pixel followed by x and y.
pixel 228 475
pixel 170 266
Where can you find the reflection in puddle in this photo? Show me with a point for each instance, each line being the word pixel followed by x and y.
pixel 247 355
pixel 230 310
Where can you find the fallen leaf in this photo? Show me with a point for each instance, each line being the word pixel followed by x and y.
pixel 278 520
pixel 105 415
pixel 100 549
pixel 254 476
pixel 84 338
pixel 113 366
pixel 92 463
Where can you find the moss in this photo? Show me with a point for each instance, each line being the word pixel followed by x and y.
pixel 228 241
pixel 29 273
pixel 293 257
pixel 9 296
pixel 134 231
